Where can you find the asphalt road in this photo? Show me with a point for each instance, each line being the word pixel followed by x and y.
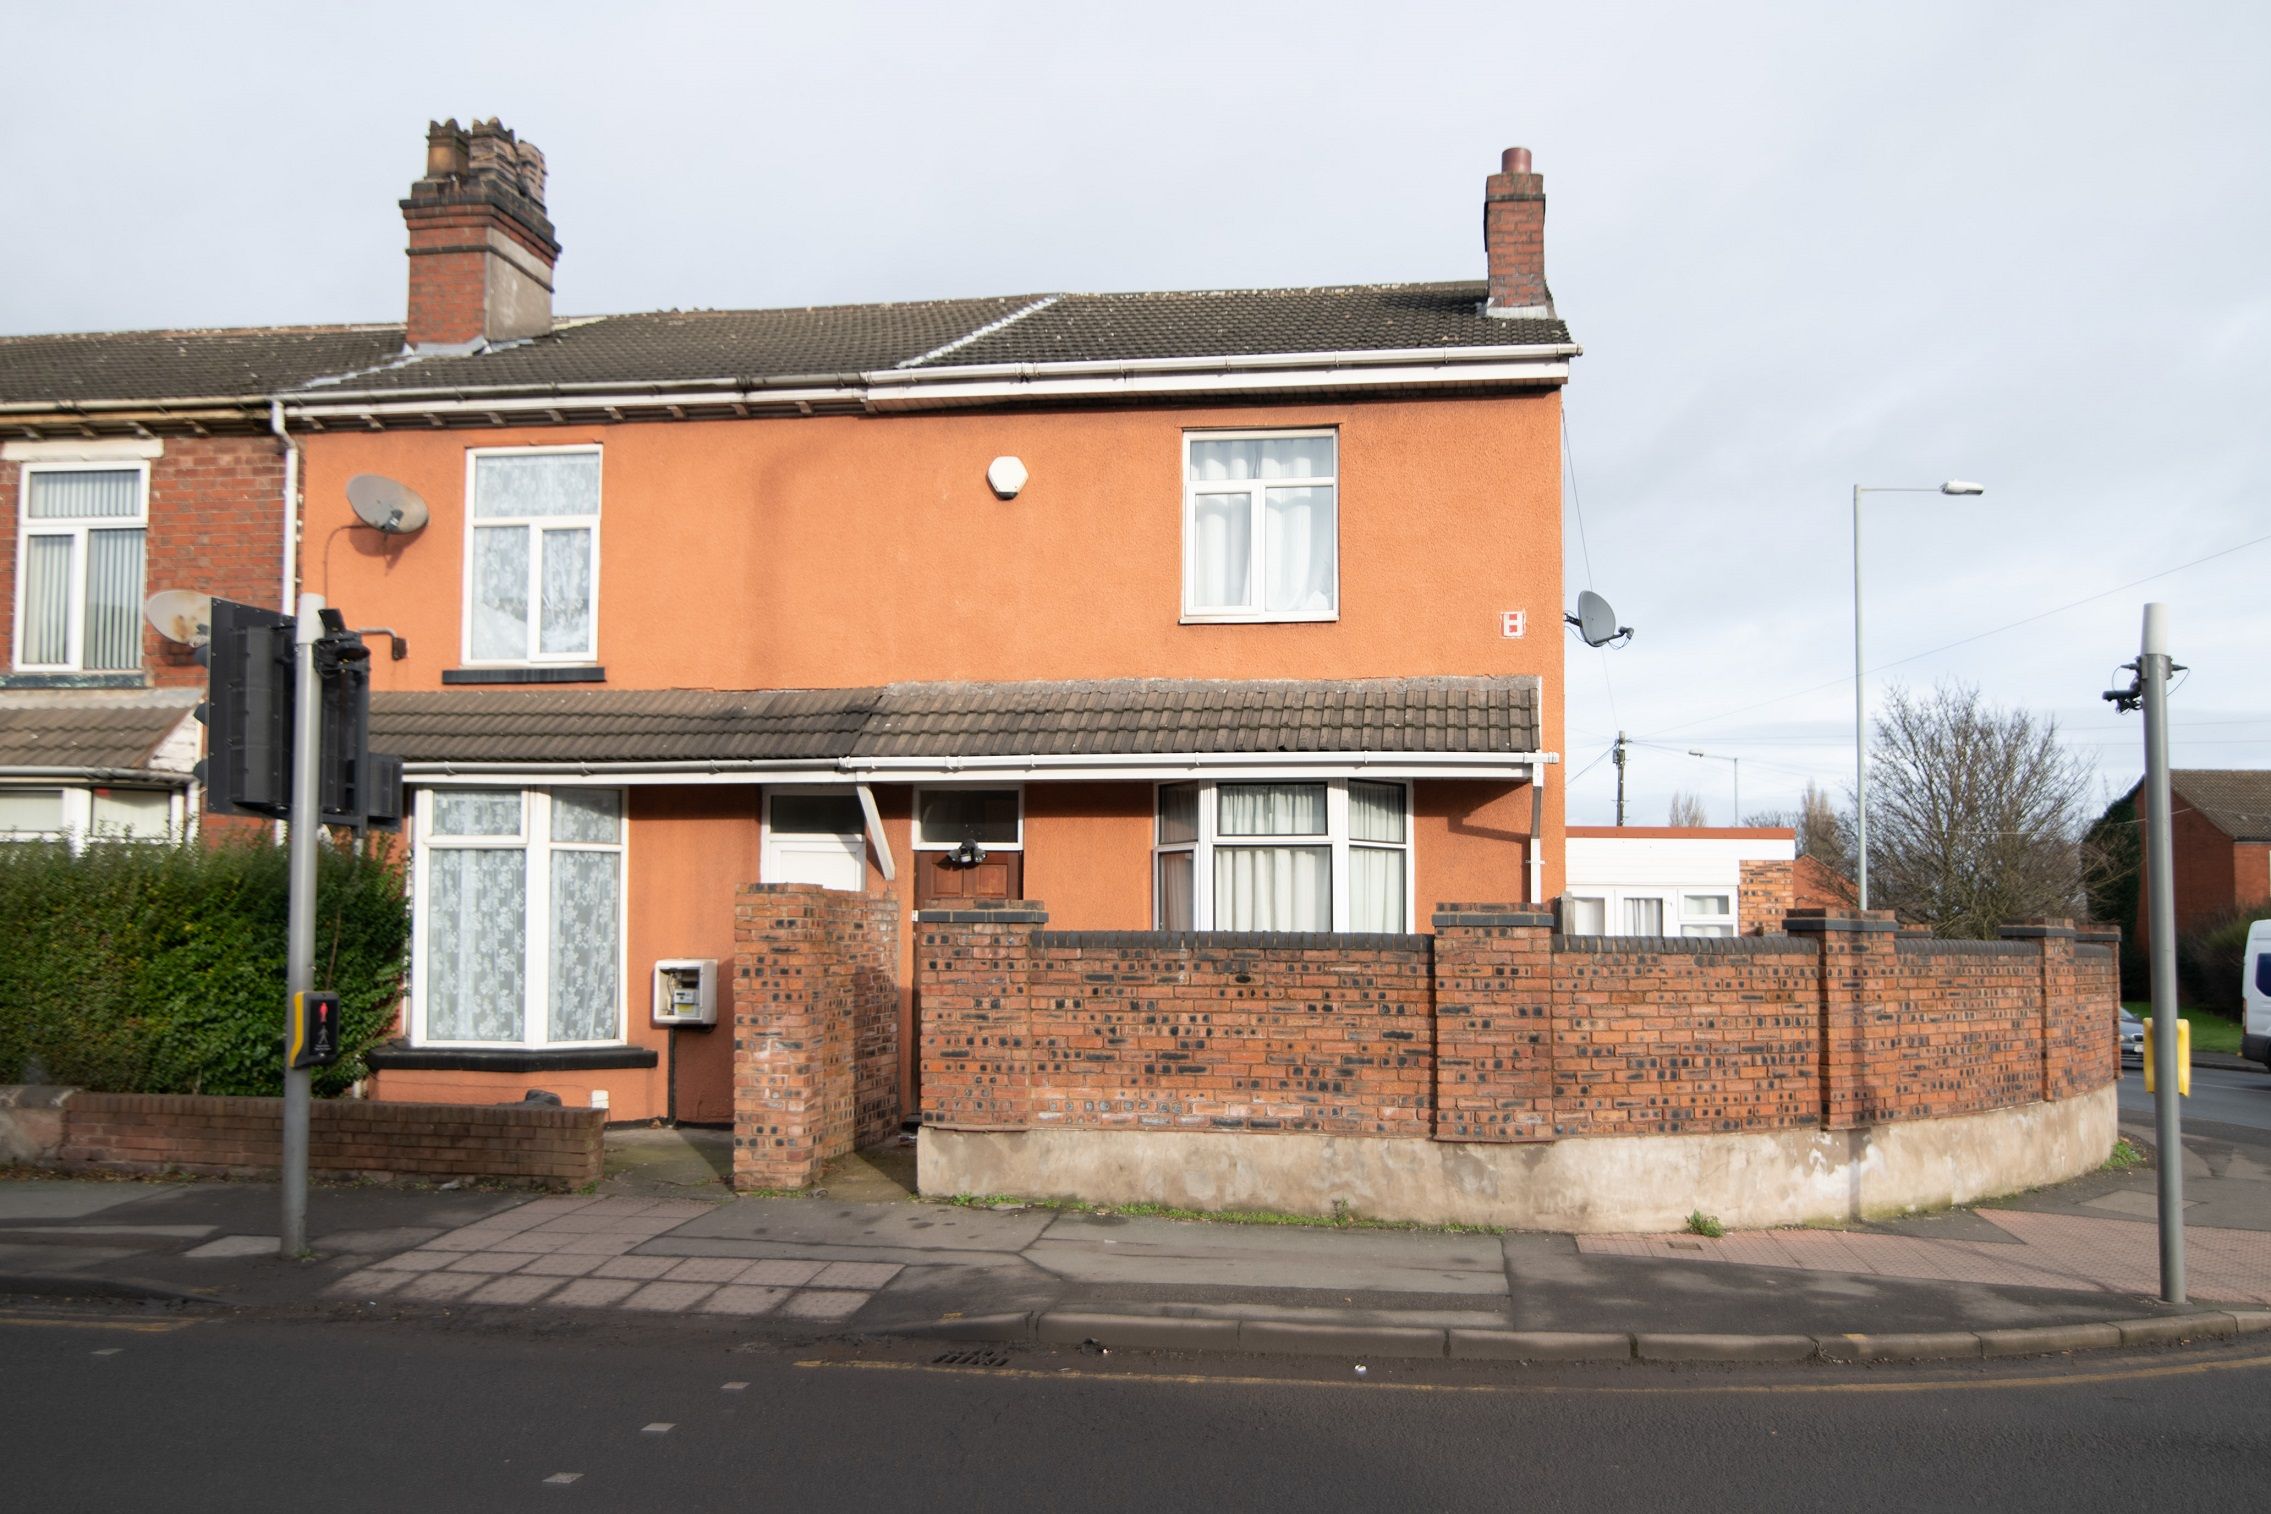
pixel 2227 1098
pixel 240 1414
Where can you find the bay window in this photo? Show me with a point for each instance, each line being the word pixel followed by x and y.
pixel 79 584
pixel 532 555
pixel 1332 855
pixel 1260 526
pixel 519 917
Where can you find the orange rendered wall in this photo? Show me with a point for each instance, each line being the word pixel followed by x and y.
pixel 841 551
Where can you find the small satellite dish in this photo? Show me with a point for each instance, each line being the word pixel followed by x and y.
pixel 180 615
pixel 385 505
pixel 1596 623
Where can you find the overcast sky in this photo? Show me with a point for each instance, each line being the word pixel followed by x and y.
pixel 1804 246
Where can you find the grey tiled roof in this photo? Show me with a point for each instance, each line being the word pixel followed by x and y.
pixel 1127 717
pixel 88 731
pixel 1228 322
pixel 694 345
pixel 757 346
pixel 2236 800
pixel 162 365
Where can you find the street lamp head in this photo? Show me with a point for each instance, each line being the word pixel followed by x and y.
pixel 1692 752
pixel 1958 486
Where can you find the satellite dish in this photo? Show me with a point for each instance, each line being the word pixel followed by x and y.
pixel 385 505
pixel 1596 623
pixel 180 615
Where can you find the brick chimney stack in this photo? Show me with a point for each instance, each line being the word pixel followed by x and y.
pixel 481 247
pixel 1514 239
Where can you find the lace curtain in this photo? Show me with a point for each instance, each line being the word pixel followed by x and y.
pixel 584 948
pixel 476 943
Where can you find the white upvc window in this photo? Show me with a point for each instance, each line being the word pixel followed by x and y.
pixel 993 818
pixel 1261 525
pixel 1707 910
pixel 79 547
pixel 1331 854
pixel 532 555
pixel 80 815
pixel 517 930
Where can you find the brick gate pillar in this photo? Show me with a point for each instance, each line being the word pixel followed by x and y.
pixel 973 970
pixel 1859 1008
pixel 1493 1023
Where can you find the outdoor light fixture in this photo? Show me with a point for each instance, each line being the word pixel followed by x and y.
pixel 1860 735
pixel 967 854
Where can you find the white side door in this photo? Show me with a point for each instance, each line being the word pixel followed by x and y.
pixel 815 837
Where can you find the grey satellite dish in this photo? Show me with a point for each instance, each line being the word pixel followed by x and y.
pixel 180 615
pixel 385 505
pixel 1596 622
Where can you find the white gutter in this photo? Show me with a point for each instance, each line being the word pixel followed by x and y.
pixel 908 387
pixel 290 593
pixel 1144 767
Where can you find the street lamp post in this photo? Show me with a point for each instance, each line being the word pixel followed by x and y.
pixel 1738 762
pixel 1860 733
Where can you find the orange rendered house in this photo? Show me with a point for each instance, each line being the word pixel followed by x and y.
pixel 1183 611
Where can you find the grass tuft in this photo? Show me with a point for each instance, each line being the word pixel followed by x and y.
pixel 1699 1223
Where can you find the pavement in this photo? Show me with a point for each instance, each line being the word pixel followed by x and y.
pixel 662 1239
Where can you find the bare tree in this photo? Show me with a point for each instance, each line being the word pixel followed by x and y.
pixel 1976 813
pixel 1823 832
pixel 1687 809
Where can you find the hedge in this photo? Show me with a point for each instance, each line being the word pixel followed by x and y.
pixel 133 968
pixel 2209 958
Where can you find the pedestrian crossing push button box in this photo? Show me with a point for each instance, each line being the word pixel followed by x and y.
pixel 314 1030
pixel 686 991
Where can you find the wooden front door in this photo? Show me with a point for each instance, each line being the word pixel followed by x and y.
pixel 943 884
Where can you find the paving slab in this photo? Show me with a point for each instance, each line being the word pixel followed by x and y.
pixel 900 1227
pixel 66 1199
pixel 1104 1249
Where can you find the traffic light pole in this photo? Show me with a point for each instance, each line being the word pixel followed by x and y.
pixel 299 967
pixel 2153 668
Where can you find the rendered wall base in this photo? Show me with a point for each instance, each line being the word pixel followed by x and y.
pixel 1599 1184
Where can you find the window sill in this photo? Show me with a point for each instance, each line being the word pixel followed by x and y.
pixel 525 675
pixel 73 681
pixel 1203 618
pixel 399 1056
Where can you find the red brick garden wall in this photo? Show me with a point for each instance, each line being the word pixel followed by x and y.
pixel 815 1029
pixel 1495 1029
pixel 1230 1031
pixel 137 1132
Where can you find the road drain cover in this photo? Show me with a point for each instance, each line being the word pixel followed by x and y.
pixel 983 1356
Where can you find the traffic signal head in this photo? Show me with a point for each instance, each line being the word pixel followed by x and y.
pixel 247 712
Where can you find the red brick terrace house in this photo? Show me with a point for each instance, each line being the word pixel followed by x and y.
pixel 2220 820
pixel 132 462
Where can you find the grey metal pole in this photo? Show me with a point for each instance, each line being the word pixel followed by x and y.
pixel 2160 926
pixel 1860 734
pixel 299 966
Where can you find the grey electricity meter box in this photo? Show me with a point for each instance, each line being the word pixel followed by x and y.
pixel 686 991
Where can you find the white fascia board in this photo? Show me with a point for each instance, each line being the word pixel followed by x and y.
pixel 908 388
pixel 1645 861
pixel 93 449
pixel 943 389
pixel 854 771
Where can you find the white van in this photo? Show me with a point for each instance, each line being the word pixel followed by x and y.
pixel 2255 994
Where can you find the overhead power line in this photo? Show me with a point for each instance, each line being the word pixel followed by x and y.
pixel 2012 625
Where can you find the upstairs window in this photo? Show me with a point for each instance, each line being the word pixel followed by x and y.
pixel 79 585
pixel 1261 526
pixel 532 557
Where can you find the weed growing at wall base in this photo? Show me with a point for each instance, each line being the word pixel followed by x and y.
pixel 132 968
